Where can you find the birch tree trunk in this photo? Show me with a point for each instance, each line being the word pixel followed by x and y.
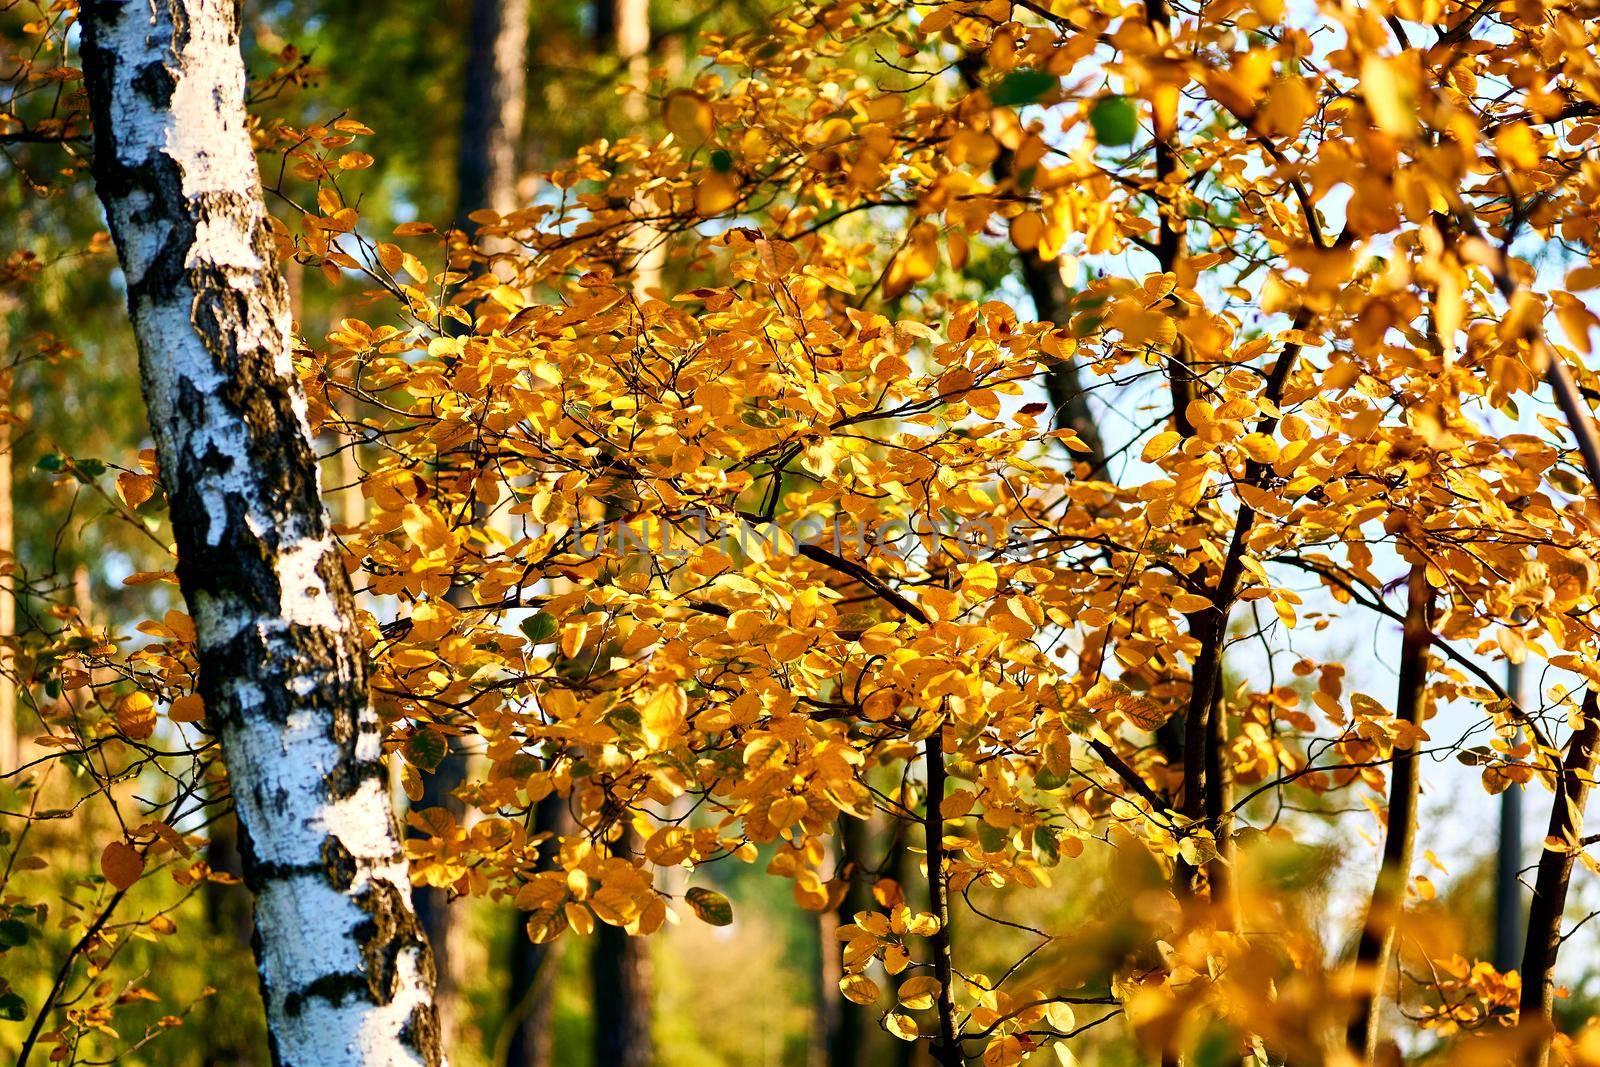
pixel 345 971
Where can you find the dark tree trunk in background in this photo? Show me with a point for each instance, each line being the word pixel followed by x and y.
pixel 848 1023
pixel 1555 872
pixel 902 865
pixel 227 909
pixel 1069 397
pixel 1375 950
pixel 1069 400
pixel 620 971
pixel 620 965
pixel 622 1028
pixel 493 108
pixel 1508 860
pixel 345 970
pixel 493 103
pixel 533 966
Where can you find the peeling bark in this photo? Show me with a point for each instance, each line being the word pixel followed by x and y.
pixel 345 971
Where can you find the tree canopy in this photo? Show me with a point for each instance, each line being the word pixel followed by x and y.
pixel 1106 453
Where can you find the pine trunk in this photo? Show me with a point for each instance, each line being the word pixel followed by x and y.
pixel 345 971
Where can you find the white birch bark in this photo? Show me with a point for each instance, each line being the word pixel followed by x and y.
pixel 345 971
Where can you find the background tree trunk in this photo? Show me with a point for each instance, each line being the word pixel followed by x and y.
pixel 528 1015
pixel 620 972
pixel 345 970
pixel 1069 399
pixel 493 109
pixel 620 965
pixel 493 105
pixel 1508 859
pixel 1555 872
pixel 629 29
pixel 848 1022
pixel 1376 947
pixel 10 744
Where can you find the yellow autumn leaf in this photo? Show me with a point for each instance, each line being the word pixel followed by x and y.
pixel 688 116
pixel 1060 1016
pixel 1516 145
pixel 980 580
pixel 859 989
pixel 1161 444
pixel 135 489
pixel 1259 447
pixel 122 864
pixel 187 708
pixel 1027 230
pixel 663 715
pixel 1389 96
pixel 921 255
pixel 716 192
pixel 136 716
pixel 1006 1050
pixel 919 993
pixel 1189 602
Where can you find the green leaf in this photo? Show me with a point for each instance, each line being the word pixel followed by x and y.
pixel 1049 846
pixel 13 1008
pixel 1217 1046
pixel 1115 120
pixel 426 750
pixel 49 462
pixel 1021 87
pixel 13 932
pixel 540 627
pixel 712 907
pixel 722 160
pixel 87 470
pixel 1048 779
